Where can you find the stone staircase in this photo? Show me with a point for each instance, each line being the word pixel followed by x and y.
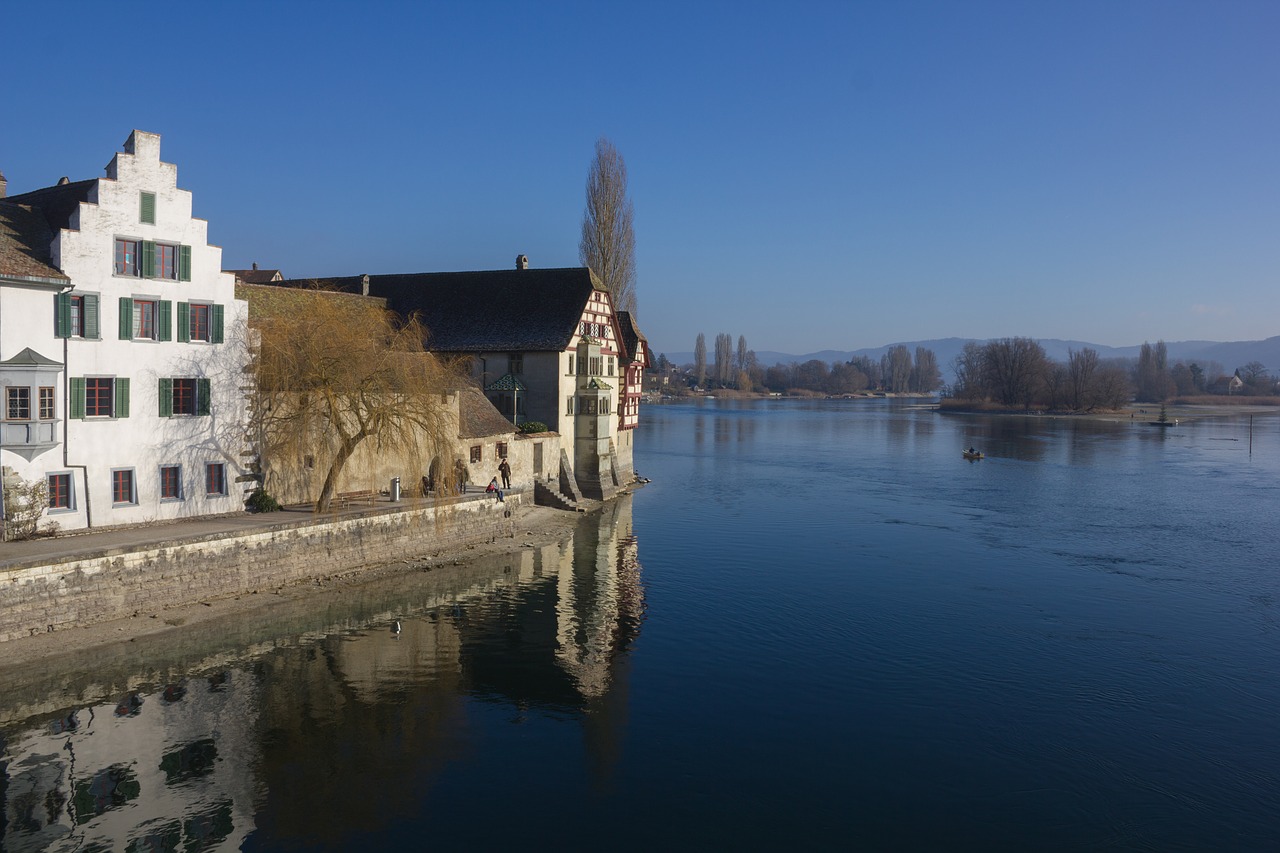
pixel 545 495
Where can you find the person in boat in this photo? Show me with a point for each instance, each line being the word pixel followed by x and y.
pixel 972 451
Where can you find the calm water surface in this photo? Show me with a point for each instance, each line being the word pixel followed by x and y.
pixel 817 628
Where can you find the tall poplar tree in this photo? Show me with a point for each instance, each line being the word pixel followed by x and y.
pixel 608 244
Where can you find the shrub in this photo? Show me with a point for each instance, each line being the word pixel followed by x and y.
pixel 533 426
pixel 24 504
pixel 260 501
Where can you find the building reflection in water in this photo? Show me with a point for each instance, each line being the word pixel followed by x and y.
pixel 342 727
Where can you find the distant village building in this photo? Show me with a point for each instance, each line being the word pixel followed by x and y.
pixel 256 276
pixel 121 348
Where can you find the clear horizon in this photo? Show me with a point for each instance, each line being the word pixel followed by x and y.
pixel 819 177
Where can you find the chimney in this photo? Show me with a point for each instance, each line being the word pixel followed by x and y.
pixel 4 186
pixel 255 266
pixel 522 262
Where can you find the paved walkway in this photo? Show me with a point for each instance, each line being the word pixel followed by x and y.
pixel 73 545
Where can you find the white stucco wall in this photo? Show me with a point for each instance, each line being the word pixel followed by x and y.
pixel 143 441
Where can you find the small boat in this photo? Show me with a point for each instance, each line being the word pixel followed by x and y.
pixel 972 454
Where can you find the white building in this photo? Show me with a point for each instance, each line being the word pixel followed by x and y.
pixel 121 348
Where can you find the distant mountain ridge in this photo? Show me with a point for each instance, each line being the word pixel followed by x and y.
pixel 1229 354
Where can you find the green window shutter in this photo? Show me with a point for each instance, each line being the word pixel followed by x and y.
pixel 203 389
pixel 166 398
pixel 148 259
pixel 164 323
pixel 90 307
pixel 62 315
pixel 122 398
pixel 126 318
pixel 77 397
pixel 148 213
pixel 184 322
pixel 216 333
pixel 184 263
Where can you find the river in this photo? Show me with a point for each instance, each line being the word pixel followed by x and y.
pixel 818 627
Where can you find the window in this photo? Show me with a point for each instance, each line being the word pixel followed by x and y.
pixel 127 257
pixel 147 212
pixel 59 491
pixel 502 450
pixel 144 319
pixel 171 483
pixel 46 404
pixel 475 453
pixel 215 479
pixel 570 365
pixel 166 262
pixel 17 404
pixel 75 315
pixel 99 397
pixel 515 363
pixel 198 324
pixel 183 396
pixel 610 365
pixel 568 405
pixel 122 491
pixel 198 321
pixel 594 367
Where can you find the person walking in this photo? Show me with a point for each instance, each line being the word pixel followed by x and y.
pixel 505 470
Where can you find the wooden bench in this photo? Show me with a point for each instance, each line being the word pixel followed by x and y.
pixel 344 499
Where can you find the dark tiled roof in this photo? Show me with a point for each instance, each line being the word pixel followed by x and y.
pixel 25 239
pixel 631 334
pixel 477 418
pixel 57 203
pixel 513 310
pixel 254 276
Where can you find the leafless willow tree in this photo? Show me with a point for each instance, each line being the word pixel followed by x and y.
pixel 608 244
pixel 332 372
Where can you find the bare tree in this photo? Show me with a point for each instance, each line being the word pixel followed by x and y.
pixel 724 359
pixel 895 368
pixel 333 371
pixel 700 360
pixel 608 244
pixel 1015 370
pixel 1081 367
pixel 925 376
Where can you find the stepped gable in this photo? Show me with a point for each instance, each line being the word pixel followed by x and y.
pixel 25 239
pixel 58 203
pixel 520 310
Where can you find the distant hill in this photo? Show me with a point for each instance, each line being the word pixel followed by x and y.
pixel 1229 354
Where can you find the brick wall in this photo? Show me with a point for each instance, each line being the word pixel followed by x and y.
pixel 115 585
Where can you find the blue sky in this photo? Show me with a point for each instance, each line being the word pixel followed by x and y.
pixel 809 175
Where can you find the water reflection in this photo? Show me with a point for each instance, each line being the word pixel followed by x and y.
pixel 341 724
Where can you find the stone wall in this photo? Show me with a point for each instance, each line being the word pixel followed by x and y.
pixel 119 583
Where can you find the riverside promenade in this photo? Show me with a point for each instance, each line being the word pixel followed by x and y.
pixel 74 545
pixel 84 579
